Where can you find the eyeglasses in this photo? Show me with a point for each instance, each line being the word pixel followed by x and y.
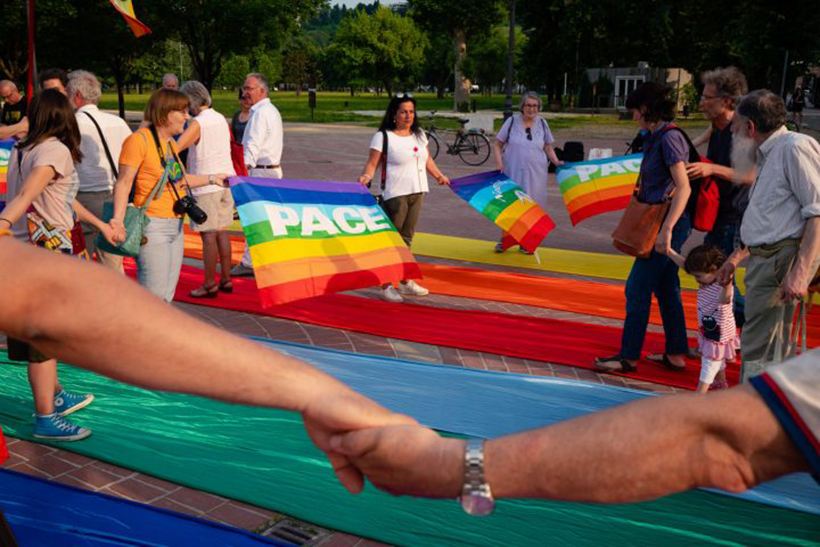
pixel 531 105
pixel 529 133
pixel 404 95
pixel 249 88
pixel 710 97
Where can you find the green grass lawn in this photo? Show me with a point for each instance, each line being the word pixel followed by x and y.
pixel 339 107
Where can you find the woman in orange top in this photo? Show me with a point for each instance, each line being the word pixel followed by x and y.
pixel 146 156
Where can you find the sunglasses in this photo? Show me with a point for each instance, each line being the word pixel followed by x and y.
pixel 404 95
pixel 529 133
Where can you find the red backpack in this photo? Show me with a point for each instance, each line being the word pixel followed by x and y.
pixel 704 202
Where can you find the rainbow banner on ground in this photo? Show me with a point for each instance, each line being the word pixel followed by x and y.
pixel 309 238
pixel 598 186
pixel 5 154
pixel 499 198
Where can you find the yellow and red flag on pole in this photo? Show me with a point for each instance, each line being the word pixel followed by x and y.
pixel 126 8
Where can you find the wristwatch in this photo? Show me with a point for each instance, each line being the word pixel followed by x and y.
pixel 476 498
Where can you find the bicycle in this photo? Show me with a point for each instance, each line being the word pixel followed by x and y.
pixel 472 146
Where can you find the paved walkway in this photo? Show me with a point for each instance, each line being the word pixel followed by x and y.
pixel 338 153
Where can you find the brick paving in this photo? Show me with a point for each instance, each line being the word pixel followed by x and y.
pixel 312 162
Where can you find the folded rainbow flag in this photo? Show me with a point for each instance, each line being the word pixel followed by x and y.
pixel 309 238
pixel 598 186
pixel 5 153
pixel 499 198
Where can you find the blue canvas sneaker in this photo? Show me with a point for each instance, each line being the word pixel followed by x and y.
pixel 65 403
pixel 54 428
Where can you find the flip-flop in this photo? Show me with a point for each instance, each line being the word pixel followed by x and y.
pixel 658 357
pixel 614 364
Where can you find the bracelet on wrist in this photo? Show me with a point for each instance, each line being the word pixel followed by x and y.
pixel 7 220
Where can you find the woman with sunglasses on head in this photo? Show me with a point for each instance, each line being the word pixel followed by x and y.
pixel 150 160
pixel 405 180
pixel 522 147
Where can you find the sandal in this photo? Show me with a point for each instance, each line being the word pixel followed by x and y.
pixel 693 353
pixel 616 363
pixel 205 292
pixel 226 286
pixel 664 360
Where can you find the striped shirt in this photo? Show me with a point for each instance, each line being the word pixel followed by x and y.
pixel 709 305
pixel 792 393
pixel 787 190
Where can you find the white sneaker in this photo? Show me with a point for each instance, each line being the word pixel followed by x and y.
pixel 411 288
pixel 390 294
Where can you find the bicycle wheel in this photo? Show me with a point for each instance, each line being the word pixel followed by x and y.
pixel 474 148
pixel 432 144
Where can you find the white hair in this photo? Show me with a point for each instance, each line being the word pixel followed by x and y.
pixel 263 82
pixel 197 94
pixel 86 84
pixel 530 95
pixel 170 76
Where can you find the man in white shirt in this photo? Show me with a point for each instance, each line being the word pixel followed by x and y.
pixel 781 225
pixel 98 170
pixel 262 141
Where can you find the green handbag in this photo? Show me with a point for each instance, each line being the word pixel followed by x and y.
pixel 135 222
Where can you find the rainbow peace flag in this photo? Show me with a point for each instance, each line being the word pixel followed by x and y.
pixel 309 238
pixel 126 9
pixel 5 154
pixel 598 186
pixel 499 198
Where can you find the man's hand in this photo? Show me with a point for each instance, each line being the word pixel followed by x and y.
pixel 795 286
pixel 726 273
pixel 406 460
pixel 340 412
pixel 699 170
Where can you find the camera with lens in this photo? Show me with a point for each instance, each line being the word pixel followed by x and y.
pixel 186 205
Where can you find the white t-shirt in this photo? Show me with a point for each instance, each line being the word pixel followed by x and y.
pixel 95 169
pixel 212 154
pixel 406 164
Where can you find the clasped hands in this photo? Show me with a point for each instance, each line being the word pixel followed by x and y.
pixel 363 439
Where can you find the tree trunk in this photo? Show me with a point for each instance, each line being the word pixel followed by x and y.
pixel 120 96
pixel 462 84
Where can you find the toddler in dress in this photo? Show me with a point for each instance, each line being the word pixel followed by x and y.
pixel 717 336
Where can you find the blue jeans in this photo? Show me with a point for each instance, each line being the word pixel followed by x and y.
pixel 723 237
pixel 160 259
pixel 656 275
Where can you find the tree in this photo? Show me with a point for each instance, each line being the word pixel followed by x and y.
pixel 299 63
pixel 384 48
pixel 462 20
pixel 214 29
pixel 234 70
pixel 487 61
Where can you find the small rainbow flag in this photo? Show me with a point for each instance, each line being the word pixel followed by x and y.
pixel 5 153
pixel 499 198
pixel 598 186
pixel 309 238
pixel 126 8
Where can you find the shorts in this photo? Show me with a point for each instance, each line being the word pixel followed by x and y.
pixel 219 208
pixel 25 352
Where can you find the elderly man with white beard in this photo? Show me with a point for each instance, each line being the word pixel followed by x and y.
pixel 781 226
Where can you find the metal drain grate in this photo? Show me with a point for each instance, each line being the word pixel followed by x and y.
pixel 297 533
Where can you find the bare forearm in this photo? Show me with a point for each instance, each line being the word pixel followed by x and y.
pixel 87 216
pixel 62 306
pixel 809 248
pixel 498 154
pixel 645 450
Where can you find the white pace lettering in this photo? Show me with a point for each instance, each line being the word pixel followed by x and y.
pixel 375 220
pixel 584 171
pixel 280 218
pixel 314 220
pixel 610 168
pixel 342 216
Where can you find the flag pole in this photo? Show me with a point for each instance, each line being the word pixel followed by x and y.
pixel 32 65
